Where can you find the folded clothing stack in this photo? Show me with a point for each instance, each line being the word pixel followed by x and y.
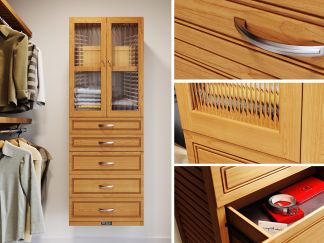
pixel 87 98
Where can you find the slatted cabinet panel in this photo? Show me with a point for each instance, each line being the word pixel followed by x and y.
pixel 195 205
pixel 106 121
pixel 263 117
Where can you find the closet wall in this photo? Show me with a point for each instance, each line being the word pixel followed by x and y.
pixel 49 21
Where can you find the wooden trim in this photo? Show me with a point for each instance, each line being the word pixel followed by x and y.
pixel 15 120
pixel 312 145
pixel 12 18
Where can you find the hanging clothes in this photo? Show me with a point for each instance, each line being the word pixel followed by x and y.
pixel 13 67
pixel 22 85
pixel 19 187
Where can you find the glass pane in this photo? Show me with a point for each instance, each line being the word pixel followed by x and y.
pixel 87 90
pixel 124 91
pixel 124 66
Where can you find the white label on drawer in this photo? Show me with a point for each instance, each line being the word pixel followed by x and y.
pixel 272 227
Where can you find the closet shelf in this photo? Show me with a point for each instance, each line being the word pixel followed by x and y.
pixel 15 120
pixel 12 18
pixel 125 68
pixel 87 68
pixel 98 68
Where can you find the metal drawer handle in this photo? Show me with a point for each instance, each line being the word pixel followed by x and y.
pixel 106 143
pixel 106 186
pixel 106 125
pixel 288 50
pixel 106 210
pixel 106 163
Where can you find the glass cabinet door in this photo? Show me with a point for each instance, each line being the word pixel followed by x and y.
pixel 125 52
pixel 88 65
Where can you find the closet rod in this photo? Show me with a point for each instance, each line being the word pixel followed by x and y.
pixel 12 18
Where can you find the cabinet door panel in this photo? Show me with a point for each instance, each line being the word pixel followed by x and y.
pixel 125 69
pixel 88 67
pixel 263 117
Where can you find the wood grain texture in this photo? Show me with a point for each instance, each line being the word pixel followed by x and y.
pixel 86 186
pixel 13 19
pixel 106 126
pixel 229 48
pixel 232 153
pixel 15 120
pixel 284 143
pixel 129 211
pixel 125 170
pixel 122 163
pixel 249 183
pixel 312 150
pixel 216 18
pixel 103 72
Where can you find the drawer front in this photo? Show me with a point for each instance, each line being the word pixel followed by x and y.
pixel 203 149
pixel 107 162
pixel 261 65
pixel 107 187
pixel 107 209
pixel 306 229
pixel 106 126
pixel 106 212
pixel 232 183
pixel 206 155
pixel 302 6
pixel 217 19
pixel 107 143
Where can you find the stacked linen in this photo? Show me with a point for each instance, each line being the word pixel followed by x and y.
pixel 87 98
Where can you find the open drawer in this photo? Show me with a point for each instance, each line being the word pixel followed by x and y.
pixel 243 226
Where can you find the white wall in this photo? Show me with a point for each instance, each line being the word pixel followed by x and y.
pixel 48 20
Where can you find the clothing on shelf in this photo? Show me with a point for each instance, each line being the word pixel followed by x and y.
pixel 87 98
pixel 21 73
pixel 23 168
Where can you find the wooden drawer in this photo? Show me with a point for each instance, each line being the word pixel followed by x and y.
pixel 106 163
pixel 256 62
pixel 310 9
pixel 106 143
pixel 118 210
pixel 203 149
pixel 240 216
pixel 106 126
pixel 232 183
pixel 205 155
pixel 206 23
pixel 308 228
pixel 103 186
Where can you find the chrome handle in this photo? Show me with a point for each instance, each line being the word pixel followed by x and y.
pixel 106 210
pixel 106 143
pixel 106 186
pixel 287 50
pixel 106 125
pixel 106 163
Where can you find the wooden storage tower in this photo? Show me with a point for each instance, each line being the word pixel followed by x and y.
pixel 106 121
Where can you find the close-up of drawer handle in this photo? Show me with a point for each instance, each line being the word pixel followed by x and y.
pixel 106 125
pixel 104 210
pixel 106 163
pixel 287 50
pixel 106 186
pixel 106 143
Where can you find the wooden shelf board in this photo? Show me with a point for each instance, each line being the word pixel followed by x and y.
pixel 15 120
pixel 125 68
pixel 12 18
pixel 87 68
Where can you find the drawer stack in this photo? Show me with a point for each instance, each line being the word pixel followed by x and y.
pixel 106 171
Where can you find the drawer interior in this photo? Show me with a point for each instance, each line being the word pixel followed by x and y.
pixel 244 219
